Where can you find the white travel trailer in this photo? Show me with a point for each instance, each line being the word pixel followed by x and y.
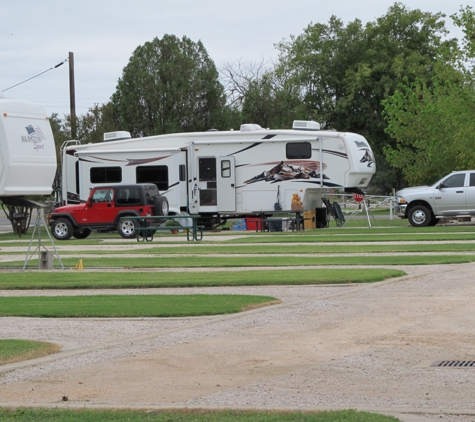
pixel 224 173
pixel 27 151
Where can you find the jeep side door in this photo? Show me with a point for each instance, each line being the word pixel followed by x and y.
pixel 449 195
pixel 101 207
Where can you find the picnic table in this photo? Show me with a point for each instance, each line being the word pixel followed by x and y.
pixel 148 225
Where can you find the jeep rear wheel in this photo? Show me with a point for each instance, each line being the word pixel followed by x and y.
pixel 126 228
pixel 82 233
pixel 419 216
pixel 161 206
pixel 62 229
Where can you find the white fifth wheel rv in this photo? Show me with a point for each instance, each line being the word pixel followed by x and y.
pixel 224 173
pixel 27 151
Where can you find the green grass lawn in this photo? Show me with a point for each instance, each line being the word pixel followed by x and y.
pixel 17 350
pixel 115 306
pixel 348 236
pixel 60 415
pixel 325 235
pixel 251 261
pixel 277 249
pixel 102 280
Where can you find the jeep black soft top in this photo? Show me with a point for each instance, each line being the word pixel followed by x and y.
pixel 138 194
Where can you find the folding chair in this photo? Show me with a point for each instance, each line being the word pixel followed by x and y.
pixel 335 212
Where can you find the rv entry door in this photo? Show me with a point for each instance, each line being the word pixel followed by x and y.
pixel 226 184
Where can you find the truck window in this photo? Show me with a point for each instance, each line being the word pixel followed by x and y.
pixel 455 181
pixel 472 179
pixel 158 175
pixel 106 175
pixel 298 150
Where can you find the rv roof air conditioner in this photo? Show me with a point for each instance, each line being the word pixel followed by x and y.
pixel 116 136
pixel 305 125
pixel 248 127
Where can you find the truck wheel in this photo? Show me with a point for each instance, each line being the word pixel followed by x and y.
pixel 62 229
pixel 161 206
pixel 126 228
pixel 82 234
pixel 434 221
pixel 419 216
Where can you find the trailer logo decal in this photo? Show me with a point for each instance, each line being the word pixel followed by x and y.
pixel 367 158
pixel 285 171
pixel 34 135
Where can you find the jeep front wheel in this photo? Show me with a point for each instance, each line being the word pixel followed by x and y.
pixel 126 228
pixel 419 216
pixel 62 229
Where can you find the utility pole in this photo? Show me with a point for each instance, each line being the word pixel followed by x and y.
pixel 72 96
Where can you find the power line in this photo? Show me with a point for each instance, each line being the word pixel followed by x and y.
pixel 47 70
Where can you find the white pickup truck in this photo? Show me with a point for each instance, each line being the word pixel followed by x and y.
pixel 451 196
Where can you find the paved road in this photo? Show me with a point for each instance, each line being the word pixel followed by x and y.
pixel 5 225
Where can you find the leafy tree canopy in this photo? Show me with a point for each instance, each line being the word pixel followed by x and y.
pixel 339 74
pixel 432 121
pixel 169 85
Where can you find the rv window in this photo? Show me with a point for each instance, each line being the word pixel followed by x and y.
pixel 157 175
pixel 182 171
pixel 299 150
pixel 225 168
pixel 207 169
pixel 106 175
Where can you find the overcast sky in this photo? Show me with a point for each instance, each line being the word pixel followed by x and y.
pixel 37 35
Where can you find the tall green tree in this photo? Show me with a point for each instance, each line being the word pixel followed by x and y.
pixel 433 122
pixel 169 85
pixel 344 72
pixel 59 133
pixel 271 104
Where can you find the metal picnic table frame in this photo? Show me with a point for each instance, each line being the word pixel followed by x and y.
pixel 149 225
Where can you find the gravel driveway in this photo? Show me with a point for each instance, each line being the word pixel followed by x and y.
pixel 366 347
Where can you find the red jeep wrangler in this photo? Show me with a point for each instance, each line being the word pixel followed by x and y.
pixel 104 208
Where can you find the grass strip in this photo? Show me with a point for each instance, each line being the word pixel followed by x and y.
pixel 12 350
pixel 121 306
pixel 111 280
pixel 84 415
pixel 353 237
pixel 317 248
pixel 253 261
pixel 10 239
